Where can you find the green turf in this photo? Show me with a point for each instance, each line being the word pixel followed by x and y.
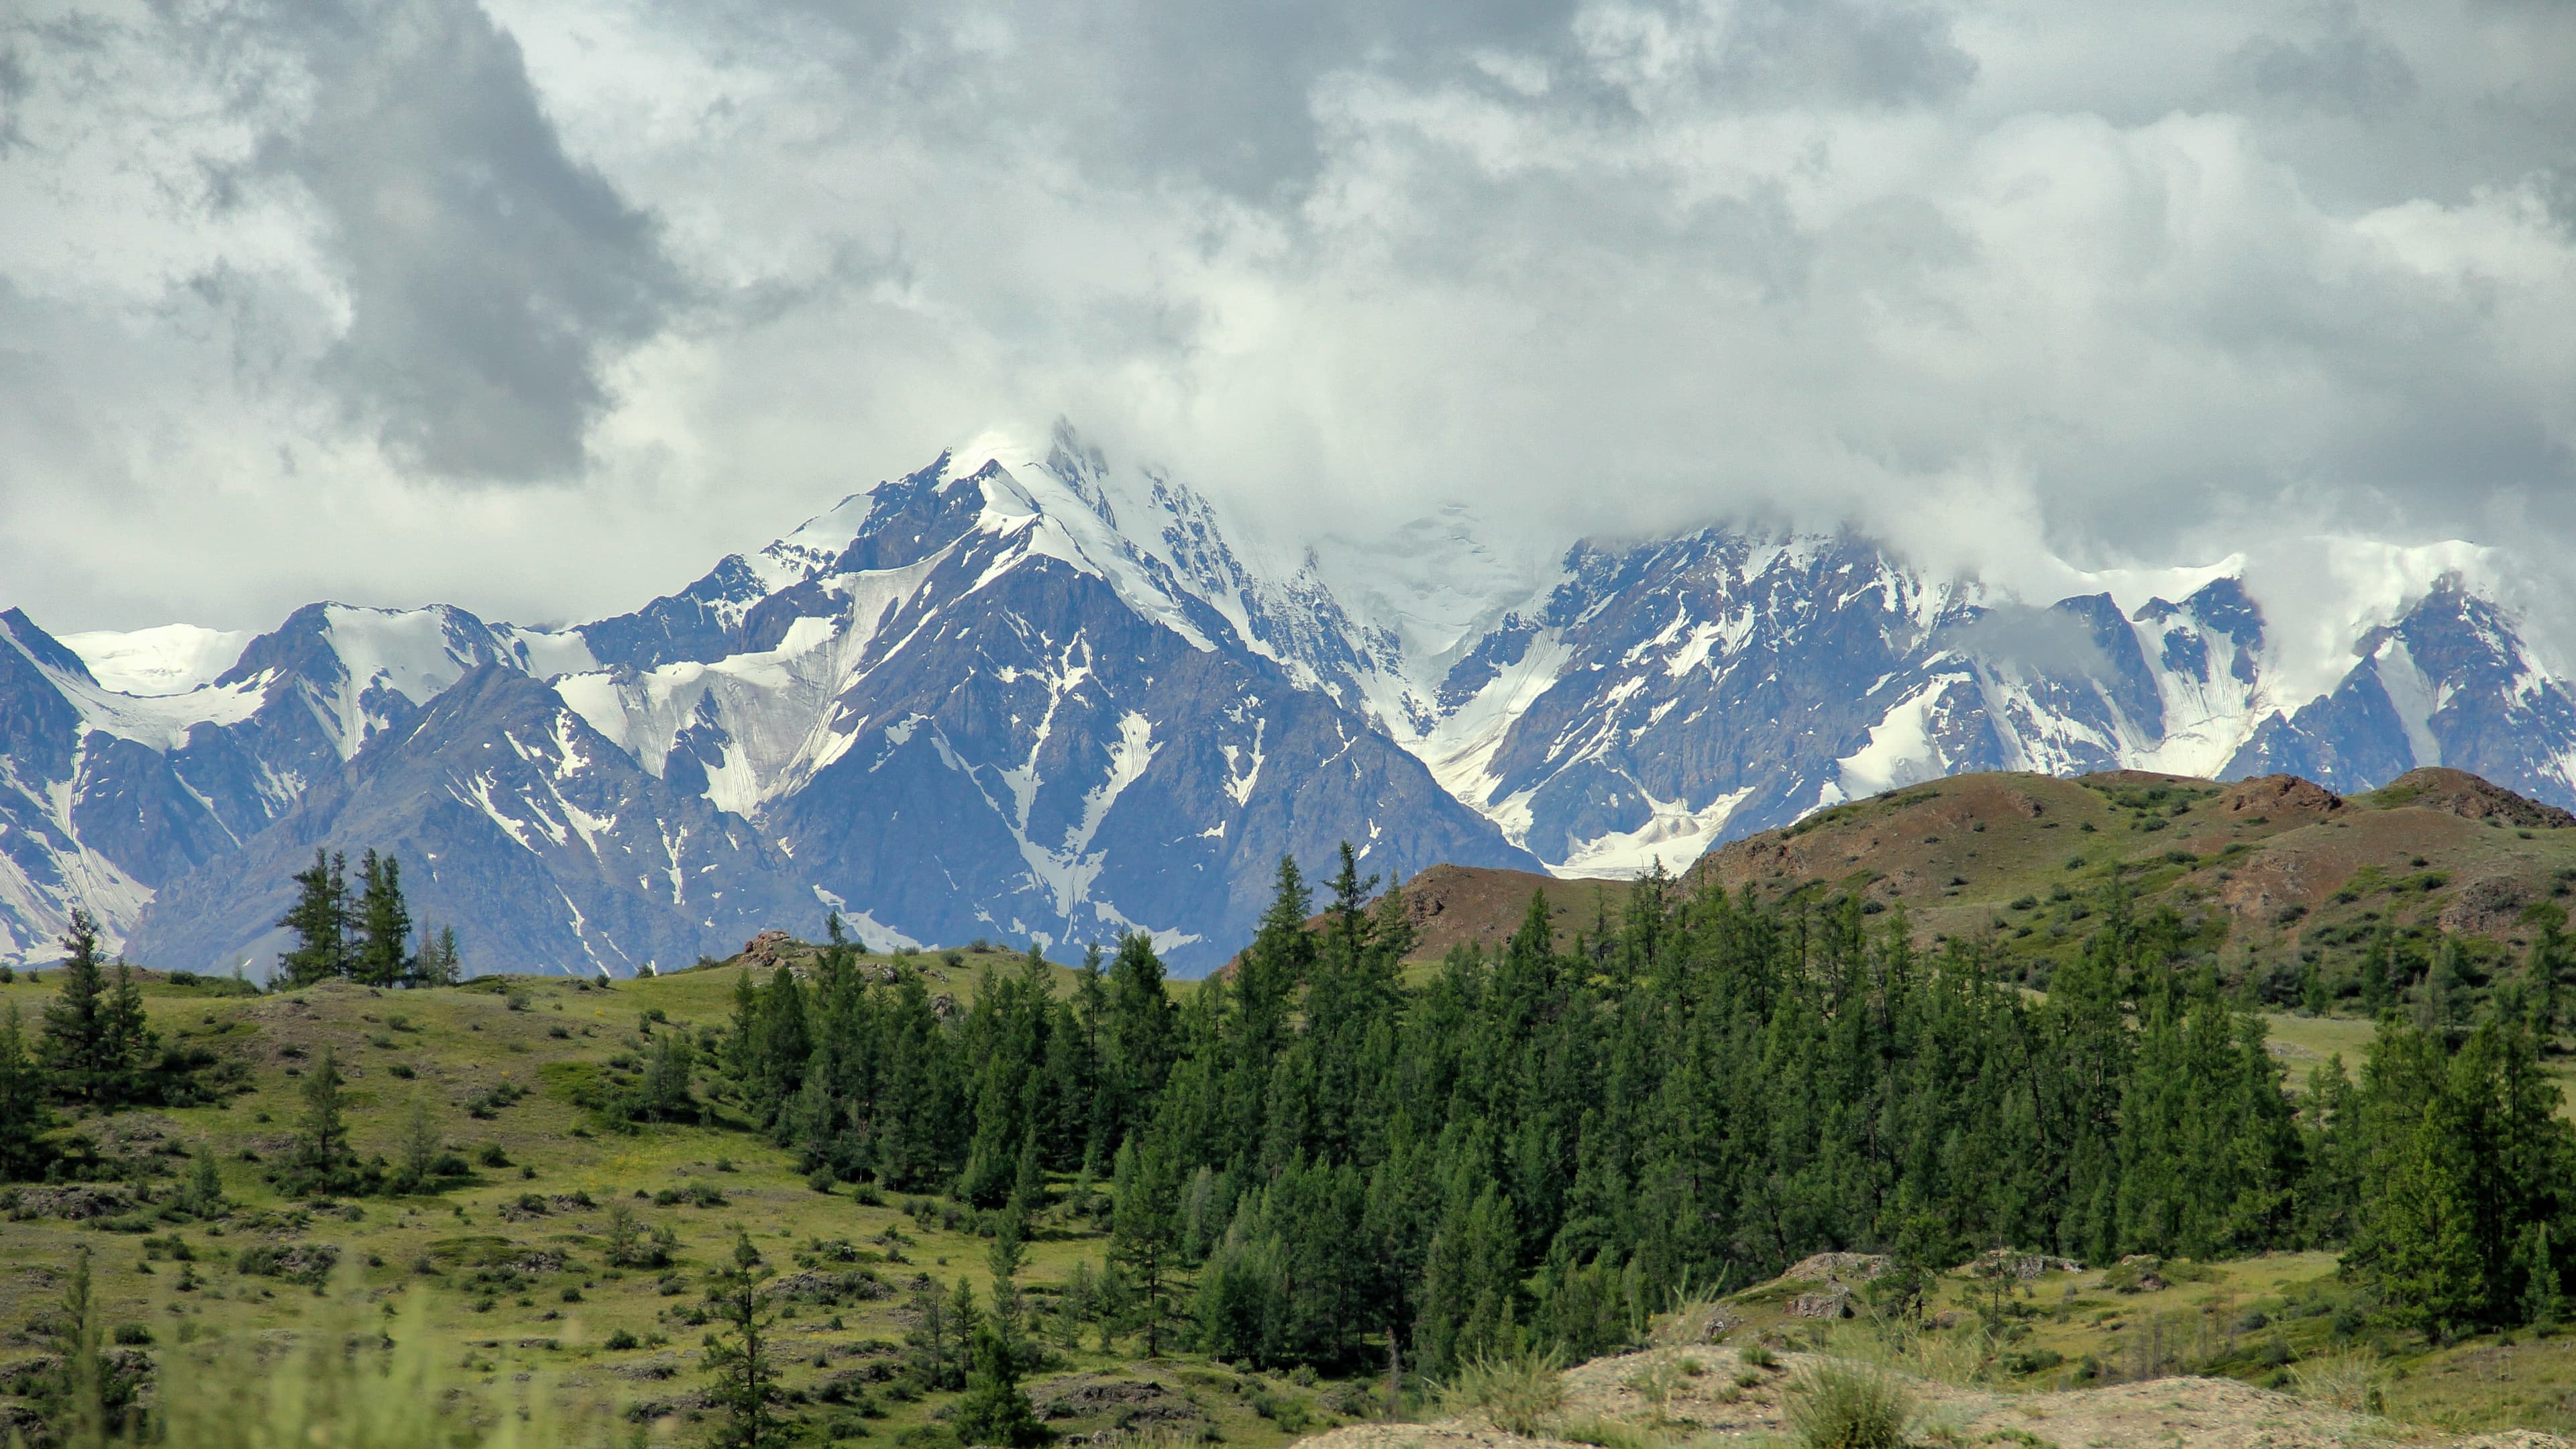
pixel 546 1302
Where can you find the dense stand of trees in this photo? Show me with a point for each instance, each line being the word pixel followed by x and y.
pixel 1308 1161
pixel 1541 1144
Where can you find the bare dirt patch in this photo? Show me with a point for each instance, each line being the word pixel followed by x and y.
pixel 1727 1398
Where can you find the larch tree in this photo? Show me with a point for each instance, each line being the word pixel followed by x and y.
pixel 742 1366
pixel 320 921
pixel 380 953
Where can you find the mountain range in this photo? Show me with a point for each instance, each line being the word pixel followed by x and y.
pixel 1028 695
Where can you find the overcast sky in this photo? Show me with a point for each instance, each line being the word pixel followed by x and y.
pixel 537 308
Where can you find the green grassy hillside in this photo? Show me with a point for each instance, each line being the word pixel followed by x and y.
pixel 511 1260
pixel 2306 904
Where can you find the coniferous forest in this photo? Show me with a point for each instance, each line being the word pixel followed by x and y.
pixel 1330 1158
pixel 1310 1162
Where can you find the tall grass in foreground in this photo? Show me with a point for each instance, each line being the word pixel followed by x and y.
pixel 2351 1380
pixel 1959 1357
pixel 343 1386
pixel 1519 1394
pixel 1831 1406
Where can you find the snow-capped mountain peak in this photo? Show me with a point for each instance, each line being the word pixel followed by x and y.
pixel 169 659
pixel 1033 692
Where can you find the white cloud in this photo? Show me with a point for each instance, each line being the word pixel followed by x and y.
pixel 2122 285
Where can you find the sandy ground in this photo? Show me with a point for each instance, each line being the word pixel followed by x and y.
pixel 2187 1413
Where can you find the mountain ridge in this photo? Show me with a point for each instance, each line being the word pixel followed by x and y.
pixel 1027 693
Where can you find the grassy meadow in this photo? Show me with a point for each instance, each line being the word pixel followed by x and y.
pixel 504 1273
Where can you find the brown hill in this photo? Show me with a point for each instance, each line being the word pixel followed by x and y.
pixel 2266 870
pixel 1462 905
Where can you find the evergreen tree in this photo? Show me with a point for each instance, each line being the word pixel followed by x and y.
pixel 1267 975
pixel 935 1363
pixel 380 954
pixel 1004 1260
pixel 2314 996
pixel 128 1043
pixel 23 1114
pixel 79 1046
pixel 964 1319
pixel 98 1044
pixel 2546 967
pixel 2463 1157
pixel 2544 1293
pixel 741 1365
pixel 2417 1246
pixel 1138 1041
pixel 417 1168
pixel 322 1162
pixel 1141 1233
pixel 320 920
pixel 2378 988
pixel 996 1410
pixel 1540 1143
pixel 742 1034
pixel 1006 1037
pixel 438 963
pixel 773 1060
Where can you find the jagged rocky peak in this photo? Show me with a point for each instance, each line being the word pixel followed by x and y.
pixel 1036 692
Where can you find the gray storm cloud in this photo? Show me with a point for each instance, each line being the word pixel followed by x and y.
pixel 489 277
pixel 287 288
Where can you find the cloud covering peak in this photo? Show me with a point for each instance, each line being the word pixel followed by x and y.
pixel 289 289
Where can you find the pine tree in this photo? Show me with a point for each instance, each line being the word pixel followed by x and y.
pixel 2378 991
pixel 964 1320
pixel 23 1114
pixel 320 920
pixel 1139 1039
pixel 996 1410
pixel 1004 1258
pixel 2544 1300
pixel 2417 1244
pixel 2545 967
pixel 77 1047
pixel 74 1397
pixel 1538 1144
pixel 380 954
pixel 127 1042
pixel 934 1366
pixel 322 1163
pixel 437 964
pixel 1141 1232
pixel 98 1042
pixel 418 1165
pixel 742 1368
pixel 1266 977
pixel 742 1038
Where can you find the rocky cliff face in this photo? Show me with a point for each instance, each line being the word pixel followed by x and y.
pixel 1028 695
